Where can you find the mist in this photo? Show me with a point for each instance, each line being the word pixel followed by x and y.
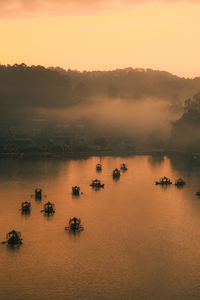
pixel 80 111
pixel 144 121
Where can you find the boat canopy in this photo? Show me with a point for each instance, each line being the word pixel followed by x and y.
pixel 13 234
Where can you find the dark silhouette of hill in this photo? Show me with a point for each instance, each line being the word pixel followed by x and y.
pixel 136 104
pixel 185 134
pixel 26 88
pixel 38 86
pixel 135 83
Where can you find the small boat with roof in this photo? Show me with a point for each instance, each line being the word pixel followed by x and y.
pixel 13 238
pixel 99 167
pixel 164 181
pixel 74 225
pixel 38 194
pixel 97 184
pixel 180 182
pixel 116 173
pixel 49 208
pixel 25 207
pixel 124 167
pixel 75 190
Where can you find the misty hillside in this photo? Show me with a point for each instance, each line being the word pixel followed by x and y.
pixel 129 108
pixel 185 134
pixel 26 87
pixel 135 83
pixel 137 104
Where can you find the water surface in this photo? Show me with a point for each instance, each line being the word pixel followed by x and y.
pixel 140 241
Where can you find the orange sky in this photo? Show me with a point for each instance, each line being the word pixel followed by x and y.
pixel 91 35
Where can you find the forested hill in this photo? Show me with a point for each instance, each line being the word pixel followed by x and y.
pixel 185 135
pixel 22 86
pixel 136 83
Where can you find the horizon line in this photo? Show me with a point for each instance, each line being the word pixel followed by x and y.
pixel 140 69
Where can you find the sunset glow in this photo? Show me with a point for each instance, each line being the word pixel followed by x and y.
pixel 157 35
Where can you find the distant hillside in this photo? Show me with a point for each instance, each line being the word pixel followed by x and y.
pixel 23 87
pixel 135 83
pixel 185 134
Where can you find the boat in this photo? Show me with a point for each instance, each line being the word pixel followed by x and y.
pixel 97 184
pixel 74 224
pixel 38 194
pixel 98 167
pixel 48 208
pixel 25 207
pixel 13 238
pixel 180 182
pixel 164 181
pixel 123 167
pixel 116 173
pixel 75 190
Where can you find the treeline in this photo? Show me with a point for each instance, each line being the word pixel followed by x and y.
pixel 135 83
pixel 36 86
pixel 25 90
pixel 23 86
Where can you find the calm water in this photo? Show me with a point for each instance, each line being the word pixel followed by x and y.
pixel 140 241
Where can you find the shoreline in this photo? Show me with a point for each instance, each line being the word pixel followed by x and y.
pixel 168 153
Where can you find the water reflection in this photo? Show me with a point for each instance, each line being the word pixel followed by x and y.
pixel 38 201
pixel 96 189
pixel 27 169
pixel 156 159
pixel 73 233
pixel 26 214
pixel 130 249
pixel 13 248
pixel 116 179
pixel 75 196
pixel 164 187
pixel 48 217
pixel 184 166
pixel 179 187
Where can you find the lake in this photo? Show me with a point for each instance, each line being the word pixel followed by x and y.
pixel 140 241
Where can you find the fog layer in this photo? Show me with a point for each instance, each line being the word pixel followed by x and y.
pixel 134 107
pixel 145 121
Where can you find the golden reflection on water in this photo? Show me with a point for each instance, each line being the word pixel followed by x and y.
pixel 138 239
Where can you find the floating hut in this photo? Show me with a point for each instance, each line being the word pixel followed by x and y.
pixel 74 225
pixel 98 167
pixel 180 182
pixel 25 206
pixel 38 194
pixel 97 184
pixel 13 238
pixel 49 208
pixel 116 173
pixel 124 167
pixel 164 181
pixel 75 190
